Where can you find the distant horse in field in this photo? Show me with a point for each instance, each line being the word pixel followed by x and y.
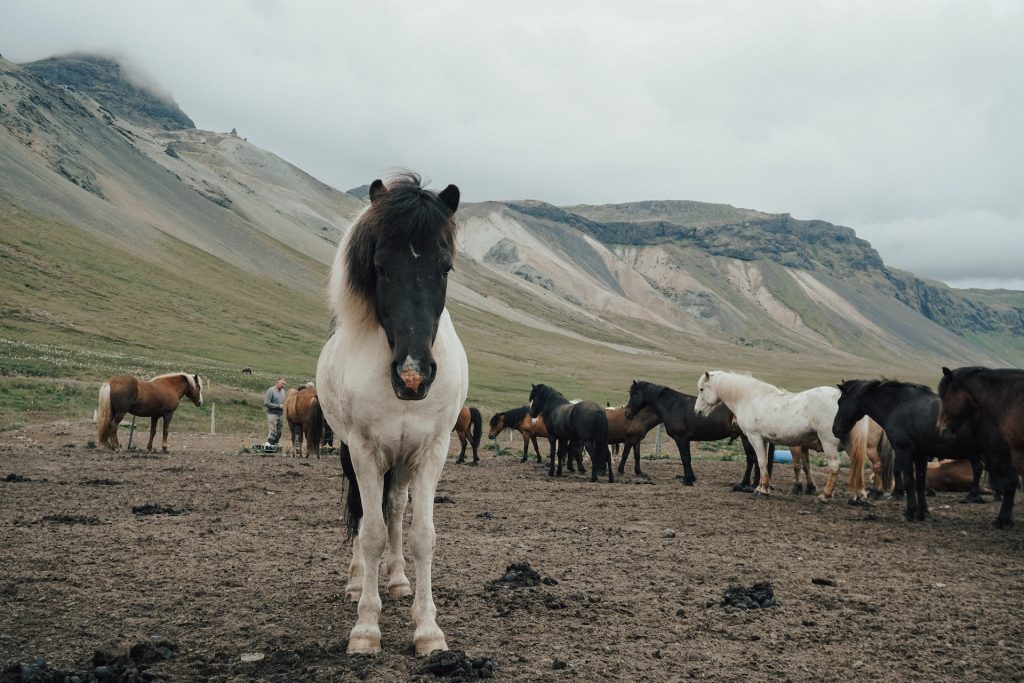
pixel 989 403
pixel 305 419
pixel 157 398
pixel 908 414
pixel 584 422
pixel 469 428
pixel 766 413
pixel 246 371
pixel 392 380
pixel 519 420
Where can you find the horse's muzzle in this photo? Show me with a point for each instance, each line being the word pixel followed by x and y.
pixel 409 382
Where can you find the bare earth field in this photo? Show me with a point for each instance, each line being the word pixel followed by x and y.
pixel 253 569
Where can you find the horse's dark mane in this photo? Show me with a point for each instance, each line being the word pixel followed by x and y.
pixel 405 211
pixel 513 416
pixel 547 395
pixel 856 388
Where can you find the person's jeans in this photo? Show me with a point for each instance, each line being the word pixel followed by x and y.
pixel 273 427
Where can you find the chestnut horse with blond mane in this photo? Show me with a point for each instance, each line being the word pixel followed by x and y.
pixel 157 398
pixel 305 419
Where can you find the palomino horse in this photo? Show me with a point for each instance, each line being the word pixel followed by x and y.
pixel 994 401
pixel 766 413
pixel 584 422
pixel 305 419
pixel 519 420
pixel 908 413
pixel 469 428
pixel 157 398
pixel 392 380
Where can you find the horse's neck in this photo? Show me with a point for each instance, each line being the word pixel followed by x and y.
pixel 880 403
pixel 735 393
pixel 989 393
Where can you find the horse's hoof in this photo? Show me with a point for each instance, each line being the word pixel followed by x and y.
pixel 760 492
pixel 366 643
pixel 475 462
pixel 976 499
pixel 622 470
pixel 797 488
pixel 400 590
pixel 460 461
pixel 811 490
pixel 823 498
pixel 1003 523
pixel 425 645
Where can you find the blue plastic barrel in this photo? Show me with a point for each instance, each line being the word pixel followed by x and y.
pixel 783 456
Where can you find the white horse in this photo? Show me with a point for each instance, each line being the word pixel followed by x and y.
pixel 766 413
pixel 392 379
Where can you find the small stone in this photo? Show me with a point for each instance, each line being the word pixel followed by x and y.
pixel 252 656
pixel 668 533
pixel 559 664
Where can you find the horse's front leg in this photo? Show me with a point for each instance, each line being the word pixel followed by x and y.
pixel 394 565
pixel 752 469
pixel 921 484
pixel 536 449
pixel 462 453
pixel 152 431
pixel 761 449
pixel 832 453
pixel 526 448
pixel 974 495
pixel 167 426
pixel 372 538
pixel 562 450
pixel 636 458
pixel 428 636
pixel 683 444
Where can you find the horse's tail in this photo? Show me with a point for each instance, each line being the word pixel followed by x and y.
pixel 353 501
pixel 477 427
pixel 887 454
pixel 104 415
pixel 858 450
pixel 316 427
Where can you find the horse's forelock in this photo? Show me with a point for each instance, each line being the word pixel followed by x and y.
pixel 406 210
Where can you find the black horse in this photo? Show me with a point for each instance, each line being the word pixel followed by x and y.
pixel 989 403
pixel 584 422
pixel 684 425
pixel 908 413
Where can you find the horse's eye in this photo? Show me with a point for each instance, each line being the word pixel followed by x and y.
pixel 447 269
pixel 381 272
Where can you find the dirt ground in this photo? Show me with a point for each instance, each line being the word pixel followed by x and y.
pixel 247 582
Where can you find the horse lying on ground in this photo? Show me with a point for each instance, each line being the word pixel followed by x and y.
pixel 156 398
pixel 469 429
pixel 305 419
pixel 989 403
pixel 519 420
pixel 584 422
pixel 392 379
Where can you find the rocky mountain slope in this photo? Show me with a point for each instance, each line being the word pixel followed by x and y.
pixel 539 289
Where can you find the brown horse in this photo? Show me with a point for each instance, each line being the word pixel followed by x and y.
pixel 519 420
pixel 993 400
pixel 469 427
pixel 630 432
pixel 305 419
pixel 154 399
pixel 865 443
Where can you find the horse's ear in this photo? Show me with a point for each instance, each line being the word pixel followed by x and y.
pixel 947 372
pixel 707 374
pixel 450 196
pixel 377 189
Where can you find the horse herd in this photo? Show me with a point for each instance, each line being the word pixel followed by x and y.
pixel 392 380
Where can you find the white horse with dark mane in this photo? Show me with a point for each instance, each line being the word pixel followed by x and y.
pixel 766 413
pixel 392 379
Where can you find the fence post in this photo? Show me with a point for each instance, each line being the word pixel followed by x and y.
pixel 213 418
pixel 657 442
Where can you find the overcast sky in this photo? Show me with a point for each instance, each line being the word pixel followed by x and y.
pixel 901 120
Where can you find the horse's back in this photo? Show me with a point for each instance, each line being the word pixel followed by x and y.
pixel 124 392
